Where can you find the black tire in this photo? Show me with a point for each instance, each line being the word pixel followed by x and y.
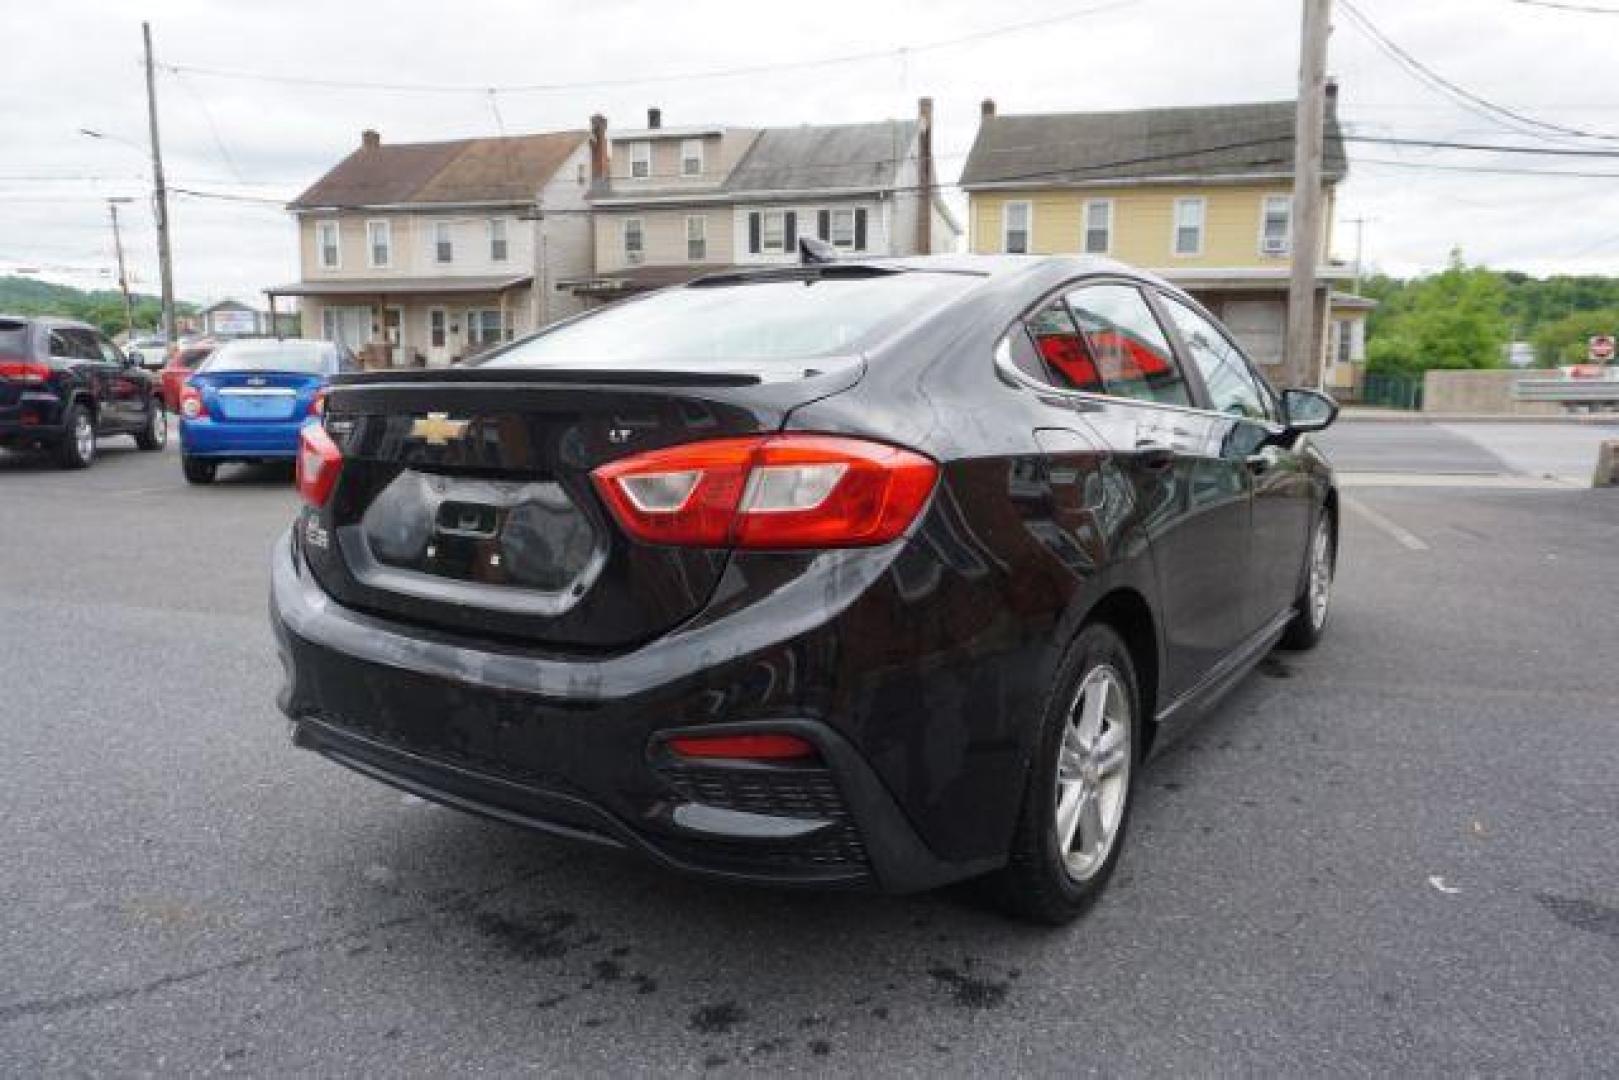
pixel 198 470
pixel 1309 624
pixel 155 435
pixel 73 451
pixel 1037 884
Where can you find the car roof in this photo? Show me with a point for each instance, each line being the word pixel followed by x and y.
pixel 50 321
pixel 999 267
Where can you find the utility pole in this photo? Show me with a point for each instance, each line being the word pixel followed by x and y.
pixel 160 199
pixel 123 278
pixel 1302 363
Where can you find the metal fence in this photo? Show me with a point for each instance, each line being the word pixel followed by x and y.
pixel 1392 392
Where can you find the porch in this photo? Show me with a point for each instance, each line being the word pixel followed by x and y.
pixel 406 322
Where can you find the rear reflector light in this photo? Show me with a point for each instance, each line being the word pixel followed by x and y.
pixel 22 371
pixel 762 747
pixel 191 404
pixel 319 462
pixel 769 491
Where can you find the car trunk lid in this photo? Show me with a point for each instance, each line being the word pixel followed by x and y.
pixel 465 500
pixel 257 396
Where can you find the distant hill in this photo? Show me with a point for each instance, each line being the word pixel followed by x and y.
pixel 103 307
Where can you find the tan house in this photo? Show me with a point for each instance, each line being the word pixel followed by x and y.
pixel 1201 196
pixel 422 253
pixel 683 200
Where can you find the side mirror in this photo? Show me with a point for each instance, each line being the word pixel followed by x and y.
pixel 1308 410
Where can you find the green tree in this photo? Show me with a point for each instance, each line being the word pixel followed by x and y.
pixel 1453 319
pixel 1565 340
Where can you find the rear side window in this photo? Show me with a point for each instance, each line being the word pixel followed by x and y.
pixel 1063 348
pixel 1233 388
pixel 13 338
pixel 787 320
pixel 1131 350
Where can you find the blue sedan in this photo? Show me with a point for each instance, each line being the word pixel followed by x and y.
pixel 249 400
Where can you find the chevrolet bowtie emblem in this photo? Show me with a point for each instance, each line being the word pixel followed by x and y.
pixel 437 428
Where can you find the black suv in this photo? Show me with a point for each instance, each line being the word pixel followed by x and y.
pixel 63 384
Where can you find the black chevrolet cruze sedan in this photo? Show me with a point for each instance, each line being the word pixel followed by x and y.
pixel 872 574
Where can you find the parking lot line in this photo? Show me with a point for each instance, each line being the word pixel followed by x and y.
pixel 1403 536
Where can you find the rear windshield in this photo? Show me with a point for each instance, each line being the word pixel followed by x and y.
pixel 303 357
pixel 13 337
pixel 756 320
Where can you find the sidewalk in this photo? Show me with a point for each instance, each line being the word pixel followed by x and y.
pixel 1376 415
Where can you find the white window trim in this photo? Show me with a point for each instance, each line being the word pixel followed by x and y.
pixel 1202 203
pixel 371 247
pixel 702 234
pixel 701 160
pixel 832 228
pixel 337 246
pixel 1085 227
pixel 449 237
pixel 1028 225
pixel 636 149
pixel 624 240
pixel 764 232
pixel 1287 235
pixel 505 235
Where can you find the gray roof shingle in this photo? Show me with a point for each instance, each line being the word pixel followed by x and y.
pixel 861 156
pixel 510 168
pixel 1141 144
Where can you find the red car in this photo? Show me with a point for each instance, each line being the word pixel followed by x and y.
pixel 184 359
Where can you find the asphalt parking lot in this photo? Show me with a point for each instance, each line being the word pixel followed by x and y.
pixel 1396 854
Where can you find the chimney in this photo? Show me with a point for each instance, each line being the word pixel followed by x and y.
pixel 986 110
pixel 598 152
pixel 369 139
pixel 654 118
pixel 924 176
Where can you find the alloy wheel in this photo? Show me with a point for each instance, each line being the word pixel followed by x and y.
pixel 1320 576
pixel 84 436
pixel 1093 772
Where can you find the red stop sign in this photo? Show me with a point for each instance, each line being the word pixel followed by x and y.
pixel 1601 348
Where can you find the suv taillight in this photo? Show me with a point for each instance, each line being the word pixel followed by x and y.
pixel 319 462
pixel 191 404
pixel 25 371
pixel 769 491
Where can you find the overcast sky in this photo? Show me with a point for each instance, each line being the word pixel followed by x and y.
pixel 74 64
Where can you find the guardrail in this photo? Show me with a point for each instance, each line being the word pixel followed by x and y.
pixel 1568 391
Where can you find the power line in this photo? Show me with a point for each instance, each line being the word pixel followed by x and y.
pixel 1583 9
pixel 1469 100
pixel 1488 169
pixel 646 80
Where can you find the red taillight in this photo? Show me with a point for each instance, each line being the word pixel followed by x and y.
pixel 191 404
pixel 24 371
pixel 770 491
pixel 319 462
pixel 317 404
pixel 759 747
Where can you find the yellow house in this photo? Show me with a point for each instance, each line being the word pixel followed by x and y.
pixel 1201 196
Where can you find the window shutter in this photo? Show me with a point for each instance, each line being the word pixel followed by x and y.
pixel 789 231
pixel 753 232
pixel 823 224
pixel 860 228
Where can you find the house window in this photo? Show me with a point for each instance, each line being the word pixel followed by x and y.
pixel 696 239
pixel 1189 226
pixel 634 242
pixel 772 231
pixel 775 231
pixel 1346 341
pixel 843 228
pixel 436 330
pixel 379 242
pixel 485 328
pixel 497 239
pixel 1098 226
pixel 1015 219
pixel 640 160
pixel 328 244
pixel 691 157
pixel 443 245
pixel 1276 230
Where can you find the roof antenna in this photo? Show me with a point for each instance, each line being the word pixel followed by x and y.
pixel 813 251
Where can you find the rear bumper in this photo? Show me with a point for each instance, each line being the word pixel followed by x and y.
pixel 31 417
pixel 208 437
pixel 574 747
